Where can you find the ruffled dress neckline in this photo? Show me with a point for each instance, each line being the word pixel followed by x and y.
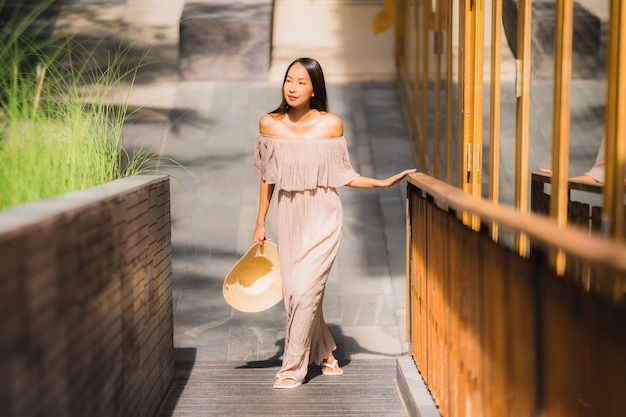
pixel 294 164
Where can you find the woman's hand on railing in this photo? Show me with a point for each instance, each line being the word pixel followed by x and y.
pixel 394 179
pixel 367 182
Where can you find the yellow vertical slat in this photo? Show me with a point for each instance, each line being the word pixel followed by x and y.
pixel 449 90
pixel 418 103
pixel 417 88
pixel 494 122
pixel 399 45
pixel 425 75
pixel 461 154
pixel 613 213
pixel 438 52
pixel 561 120
pixel 522 115
pixel 472 20
pixel 407 62
pixel 477 76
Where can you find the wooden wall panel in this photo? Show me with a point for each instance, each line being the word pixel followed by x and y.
pixel 584 343
pixel 494 330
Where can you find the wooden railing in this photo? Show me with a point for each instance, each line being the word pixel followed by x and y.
pixel 497 334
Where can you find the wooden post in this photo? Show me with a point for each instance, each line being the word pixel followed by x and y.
pixel 613 213
pixel 561 120
pixel 425 74
pixel 449 90
pixel 522 115
pixel 494 121
pixel 471 44
pixel 437 52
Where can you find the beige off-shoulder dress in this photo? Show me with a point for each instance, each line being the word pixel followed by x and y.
pixel 308 221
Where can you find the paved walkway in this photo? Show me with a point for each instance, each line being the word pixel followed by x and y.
pixel 209 126
pixel 240 389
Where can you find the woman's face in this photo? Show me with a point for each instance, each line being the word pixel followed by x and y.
pixel 298 88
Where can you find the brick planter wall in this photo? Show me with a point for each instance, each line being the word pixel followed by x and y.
pixel 86 324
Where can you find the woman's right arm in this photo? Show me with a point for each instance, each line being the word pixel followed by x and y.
pixel 266 191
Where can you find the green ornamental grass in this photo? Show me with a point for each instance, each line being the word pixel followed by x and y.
pixel 60 122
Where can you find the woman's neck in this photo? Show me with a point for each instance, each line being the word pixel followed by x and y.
pixel 302 116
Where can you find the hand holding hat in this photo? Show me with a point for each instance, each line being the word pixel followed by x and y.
pixel 253 284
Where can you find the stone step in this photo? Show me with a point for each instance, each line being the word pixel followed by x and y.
pixel 367 388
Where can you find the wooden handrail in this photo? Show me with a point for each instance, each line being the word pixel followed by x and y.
pixel 539 228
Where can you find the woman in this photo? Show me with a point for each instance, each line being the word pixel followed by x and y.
pixel 301 155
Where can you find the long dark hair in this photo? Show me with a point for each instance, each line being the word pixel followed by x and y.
pixel 319 101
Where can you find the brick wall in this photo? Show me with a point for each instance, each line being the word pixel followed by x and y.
pixel 86 324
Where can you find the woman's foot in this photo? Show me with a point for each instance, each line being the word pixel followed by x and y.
pixel 330 366
pixel 286 382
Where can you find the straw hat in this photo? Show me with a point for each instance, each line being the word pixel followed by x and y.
pixel 253 284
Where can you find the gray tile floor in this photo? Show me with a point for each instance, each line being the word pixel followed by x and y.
pixel 211 132
pixel 240 389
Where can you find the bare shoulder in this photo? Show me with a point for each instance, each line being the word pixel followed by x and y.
pixel 269 124
pixel 332 125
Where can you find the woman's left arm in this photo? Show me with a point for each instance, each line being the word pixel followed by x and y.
pixel 367 182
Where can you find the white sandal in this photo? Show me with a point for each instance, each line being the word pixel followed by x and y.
pixel 282 378
pixel 331 366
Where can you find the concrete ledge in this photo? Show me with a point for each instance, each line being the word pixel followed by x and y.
pixel 413 390
pixel 16 218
